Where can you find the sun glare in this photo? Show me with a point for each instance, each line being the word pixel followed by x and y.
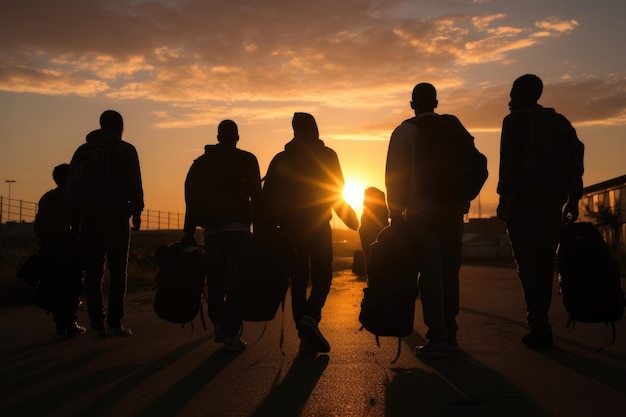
pixel 353 194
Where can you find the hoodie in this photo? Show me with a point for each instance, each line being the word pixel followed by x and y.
pixel 124 171
pixel 304 181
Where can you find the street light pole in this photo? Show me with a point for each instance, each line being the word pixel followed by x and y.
pixel 9 200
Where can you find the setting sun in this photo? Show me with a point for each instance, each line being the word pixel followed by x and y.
pixel 353 194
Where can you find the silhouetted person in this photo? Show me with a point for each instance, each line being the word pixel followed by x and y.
pixel 65 275
pixel 304 183
pixel 220 189
pixel 433 172
pixel 103 213
pixel 375 218
pixel 532 203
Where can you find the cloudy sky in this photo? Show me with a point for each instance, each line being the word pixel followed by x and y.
pixel 176 68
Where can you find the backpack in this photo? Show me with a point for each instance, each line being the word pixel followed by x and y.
pixel 453 169
pixel 179 282
pixel 263 275
pixel 89 183
pixel 588 276
pixel 553 158
pixel 388 304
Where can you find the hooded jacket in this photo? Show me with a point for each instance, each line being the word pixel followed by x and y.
pixel 124 172
pixel 304 181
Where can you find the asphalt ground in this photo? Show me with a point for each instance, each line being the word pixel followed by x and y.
pixel 166 370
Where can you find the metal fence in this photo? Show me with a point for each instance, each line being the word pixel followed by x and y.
pixel 16 211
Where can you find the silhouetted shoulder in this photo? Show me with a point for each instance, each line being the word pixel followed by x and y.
pixel 407 127
pixel 249 156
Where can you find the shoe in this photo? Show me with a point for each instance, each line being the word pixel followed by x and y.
pixel 74 329
pixel 234 344
pixel 306 346
pixel 218 334
pixel 537 342
pixel 539 337
pixel 119 331
pixel 433 350
pixel 307 328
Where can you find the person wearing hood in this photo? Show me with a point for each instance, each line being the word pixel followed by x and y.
pixel 101 204
pixel 304 183
pixel 221 187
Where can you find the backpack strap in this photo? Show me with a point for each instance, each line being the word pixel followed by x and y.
pixel 282 325
pixel 612 324
pixel 204 296
pixel 399 350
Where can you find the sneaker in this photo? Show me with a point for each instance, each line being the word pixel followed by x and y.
pixel 74 329
pixel 433 350
pixel 308 329
pixel 234 344
pixel 119 331
pixel 306 346
pixel 218 334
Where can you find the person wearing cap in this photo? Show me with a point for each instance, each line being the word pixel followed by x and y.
pixel 433 171
pixel 304 183
pixel 220 189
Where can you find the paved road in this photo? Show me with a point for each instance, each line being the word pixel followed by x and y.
pixel 165 370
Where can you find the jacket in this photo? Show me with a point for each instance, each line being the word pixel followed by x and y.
pixel 52 221
pixel 426 179
pixel 124 172
pixel 221 187
pixel 516 128
pixel 303 184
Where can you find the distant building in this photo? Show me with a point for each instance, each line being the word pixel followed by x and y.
pixel 603 205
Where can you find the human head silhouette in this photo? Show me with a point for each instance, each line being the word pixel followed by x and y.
pixel 525 92
pixel 304 127
pixel 424 98
pixel 227 132
pixel 59 174
pixel 112 120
